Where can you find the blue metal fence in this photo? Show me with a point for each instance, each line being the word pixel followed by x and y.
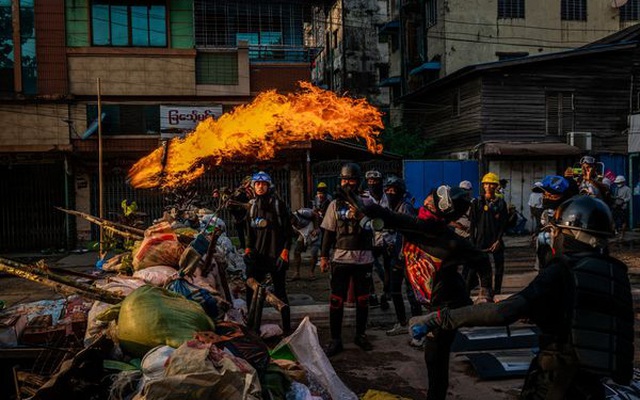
pixel 422 176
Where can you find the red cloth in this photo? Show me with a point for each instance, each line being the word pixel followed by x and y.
pixel 425 214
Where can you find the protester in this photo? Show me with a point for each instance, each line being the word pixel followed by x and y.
pixel 238 211
pixel 352 259
pixel 268 241
pixel 380 241
pixel 306 224
pixel 395 190
pixel 433 253
pixel 582 304
pixel 555 190
pixel 535 205
pixel 489 216
pixel 321 200
pixel 516 223
pixel 589 184
pixel 621 200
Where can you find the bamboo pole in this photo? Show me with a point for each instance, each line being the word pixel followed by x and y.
pixel 126 231
pixel 57 282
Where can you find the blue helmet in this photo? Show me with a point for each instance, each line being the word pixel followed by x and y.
pixel 554 184
pixel 261 177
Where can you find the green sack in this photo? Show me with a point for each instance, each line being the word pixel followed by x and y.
pixel 152 316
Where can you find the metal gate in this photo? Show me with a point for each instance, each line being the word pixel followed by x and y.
pixel 154 203
pixel 328 171
pixel 29 192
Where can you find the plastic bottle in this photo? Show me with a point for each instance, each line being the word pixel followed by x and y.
pixel 419 331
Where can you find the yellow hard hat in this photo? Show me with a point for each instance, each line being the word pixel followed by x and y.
pixel 491 178
pixel 322 185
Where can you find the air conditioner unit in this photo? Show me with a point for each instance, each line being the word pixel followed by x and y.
pixel 461 155
pixel 581 140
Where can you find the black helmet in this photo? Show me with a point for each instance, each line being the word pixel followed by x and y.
pixel 585 213
pixel 396 182
pixel 350 171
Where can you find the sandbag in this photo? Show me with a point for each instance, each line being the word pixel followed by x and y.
pixel 158 275
pixel 200 371
pixel 158 249
pixel 152 316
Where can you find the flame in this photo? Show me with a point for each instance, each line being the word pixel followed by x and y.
pixel 258 130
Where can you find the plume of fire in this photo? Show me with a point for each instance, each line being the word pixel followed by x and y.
pixel 257 131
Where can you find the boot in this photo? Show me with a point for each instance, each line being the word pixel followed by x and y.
pixel 297 260
pixel 314 261
pixel 334 347
pixel 363 342
pixel 384 303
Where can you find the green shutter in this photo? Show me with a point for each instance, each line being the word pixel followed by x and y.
pixel 181 17
pixel 77 23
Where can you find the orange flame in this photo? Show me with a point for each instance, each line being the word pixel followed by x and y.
pixel 258 130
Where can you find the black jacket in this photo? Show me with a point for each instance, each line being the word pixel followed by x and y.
pixel 437 239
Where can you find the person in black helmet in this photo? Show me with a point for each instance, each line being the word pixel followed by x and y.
pixel 581 302
pixel 432 253
pixel 352 241
pixel 395 190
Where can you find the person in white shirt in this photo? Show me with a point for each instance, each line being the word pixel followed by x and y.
pixel 535 205
pixel 621 199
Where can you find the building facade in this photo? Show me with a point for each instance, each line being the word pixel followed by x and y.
pixel 159 63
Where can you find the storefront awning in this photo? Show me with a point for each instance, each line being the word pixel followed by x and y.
pixel 530 149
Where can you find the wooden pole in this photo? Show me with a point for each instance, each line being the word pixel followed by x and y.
pixel 57 282
pixel 100 182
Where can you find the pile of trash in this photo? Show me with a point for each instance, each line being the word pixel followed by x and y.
pixel 174 329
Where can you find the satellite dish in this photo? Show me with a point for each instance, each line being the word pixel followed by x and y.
pixel 618 3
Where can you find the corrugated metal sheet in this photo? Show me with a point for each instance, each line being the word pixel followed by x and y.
pixel 50 47
pixel 422 176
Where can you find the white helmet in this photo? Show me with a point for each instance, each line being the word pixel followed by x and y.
pixel 466 185
pixel 619 179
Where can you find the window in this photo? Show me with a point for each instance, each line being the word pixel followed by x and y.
pixel 431 13
pixel 28 50
pixel 6 43
pixel 510 9
pixel 630 11
pixel 560 113
pixel 114 23
pixel 573 10
pixel 274 31
pixel 217 69
pixel 127 119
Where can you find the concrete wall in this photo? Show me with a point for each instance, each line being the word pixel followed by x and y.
pixel 135 74
pixel 34 127
pixel 475 37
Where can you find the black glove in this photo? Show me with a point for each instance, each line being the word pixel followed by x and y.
pixel 351 197
pixel 374 210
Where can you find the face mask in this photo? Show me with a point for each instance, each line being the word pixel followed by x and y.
pixel 375 188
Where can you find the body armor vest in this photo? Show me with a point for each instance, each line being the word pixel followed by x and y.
pixel 350 235
pixel 601 316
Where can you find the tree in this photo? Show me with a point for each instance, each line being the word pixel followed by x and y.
pixel 407 141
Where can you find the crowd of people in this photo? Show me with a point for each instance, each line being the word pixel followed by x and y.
pixel 446 248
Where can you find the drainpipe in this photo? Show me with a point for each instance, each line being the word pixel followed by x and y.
pixel 67 203
pixel 309 178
